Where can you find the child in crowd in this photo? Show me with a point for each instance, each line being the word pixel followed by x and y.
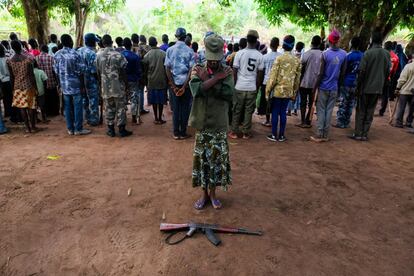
pixel 41 78
pixel 282 86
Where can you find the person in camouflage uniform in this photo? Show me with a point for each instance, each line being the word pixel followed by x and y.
pixel 110 66
pixel 91 98
pixel 282 85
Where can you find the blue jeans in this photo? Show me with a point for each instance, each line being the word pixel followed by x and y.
pixel 181 112
pixel 346 104
pixel 74 112
pixel 295 105
pixel 325 105
pixel 91 106
pixel 3 129
pixel 279 107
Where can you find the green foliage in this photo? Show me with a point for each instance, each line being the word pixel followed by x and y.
pixel 10 24
pixel 304 13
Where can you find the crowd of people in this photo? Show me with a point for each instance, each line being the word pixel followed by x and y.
pixel 216 90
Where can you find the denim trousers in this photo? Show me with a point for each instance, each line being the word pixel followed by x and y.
pixel 325 105
pixel 74 112
pixel 181 111
pixel 3 128
pixel 279 107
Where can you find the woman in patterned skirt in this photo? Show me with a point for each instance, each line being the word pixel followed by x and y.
pixel 24 86
pixel 212 86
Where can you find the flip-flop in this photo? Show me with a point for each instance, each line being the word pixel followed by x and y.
pixel 216 204
pixel 199 204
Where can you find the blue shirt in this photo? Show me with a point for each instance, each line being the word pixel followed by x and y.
pixel 69 67
pixel 133 69
pixel 353 60
pixel 164 47
pixel 88 57
pixel 334 58
pixel 180 60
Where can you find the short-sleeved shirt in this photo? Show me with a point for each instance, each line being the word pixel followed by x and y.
pixel 88 56
pixel 268 60
pixel 109 64
pixel 164 47
pixel 133 69
pixel 69 67
pixel 45 62
pixel 40 77
pixel 154 62
pixel 311 61
pixel 353 61
pixel 334 58
pixel 247 62
pixel 180 60
pixel 51 45
pixel 22 71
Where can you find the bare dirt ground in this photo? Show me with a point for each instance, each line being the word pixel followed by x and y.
pixel 339 208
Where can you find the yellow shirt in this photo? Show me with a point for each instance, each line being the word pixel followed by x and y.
pixel 284 77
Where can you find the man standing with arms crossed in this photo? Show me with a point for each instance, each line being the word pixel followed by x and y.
pixel 248 74
pixel 178 63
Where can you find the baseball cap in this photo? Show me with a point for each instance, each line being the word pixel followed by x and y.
pixel 91 37
pixel 180 33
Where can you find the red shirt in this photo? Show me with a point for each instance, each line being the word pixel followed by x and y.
pixel 34 52
pixel 394 64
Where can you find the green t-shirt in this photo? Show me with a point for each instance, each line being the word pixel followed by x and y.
pixel 40 77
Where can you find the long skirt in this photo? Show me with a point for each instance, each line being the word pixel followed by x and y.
pixel 25 98
pixel 211 162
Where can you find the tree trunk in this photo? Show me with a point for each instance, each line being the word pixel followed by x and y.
pixel 409 49
pixel 351 19
pixel 81 14
pixel 323 34
pixel 37 19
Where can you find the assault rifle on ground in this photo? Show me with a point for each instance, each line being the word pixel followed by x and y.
pixel 208 229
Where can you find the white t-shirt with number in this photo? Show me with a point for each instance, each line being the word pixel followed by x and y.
pixel 247 62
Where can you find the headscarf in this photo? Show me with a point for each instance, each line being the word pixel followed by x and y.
pixel 334 37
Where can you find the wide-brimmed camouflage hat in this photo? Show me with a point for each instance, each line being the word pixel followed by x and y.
pixel 214 47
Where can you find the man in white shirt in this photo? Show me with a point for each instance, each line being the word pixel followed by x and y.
pixel 248 68
pixel 268 60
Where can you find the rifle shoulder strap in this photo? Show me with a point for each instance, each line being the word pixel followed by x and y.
pixel 168 239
